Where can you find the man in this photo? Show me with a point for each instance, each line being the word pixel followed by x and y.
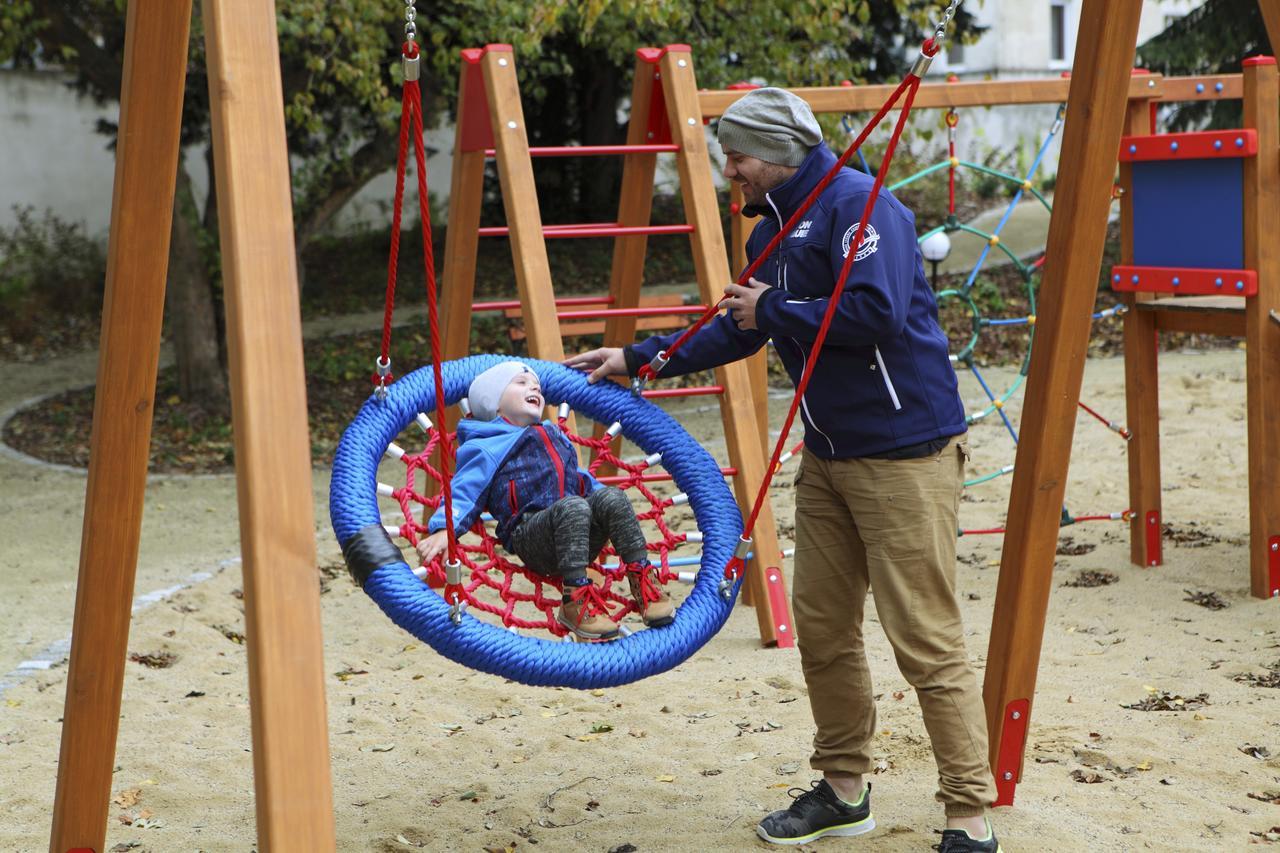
pixel 879 486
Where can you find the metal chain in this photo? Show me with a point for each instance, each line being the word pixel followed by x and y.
pixel 940 33
pixel 410 18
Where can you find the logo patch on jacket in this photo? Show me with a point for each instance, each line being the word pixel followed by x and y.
pixel 802 230
pixel 870 242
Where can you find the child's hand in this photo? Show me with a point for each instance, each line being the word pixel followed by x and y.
pixel 433 546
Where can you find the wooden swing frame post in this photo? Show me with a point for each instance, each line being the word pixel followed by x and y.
pixel 1073 255
pixel 294 797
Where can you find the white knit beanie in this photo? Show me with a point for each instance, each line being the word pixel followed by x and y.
pixel 486 389
pixel 770 124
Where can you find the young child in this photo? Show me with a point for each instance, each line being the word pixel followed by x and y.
pixel 553 515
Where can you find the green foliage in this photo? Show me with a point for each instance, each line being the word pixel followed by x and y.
pixel 49 261
pixel 1212 39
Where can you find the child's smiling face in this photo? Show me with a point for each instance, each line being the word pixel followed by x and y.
pixel 521 402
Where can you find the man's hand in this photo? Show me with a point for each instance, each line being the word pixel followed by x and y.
pixel 603 362
pixel 433 546
pixel 742 302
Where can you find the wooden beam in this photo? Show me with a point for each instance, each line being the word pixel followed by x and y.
pixel 711 261
pixel 269 412
pixel 1201 88
pixel 1262 337
pixel 520 201
pixel 844 99
pixel 154 75
pixel 1271 20
pixel 1095 117
pixel 1141 379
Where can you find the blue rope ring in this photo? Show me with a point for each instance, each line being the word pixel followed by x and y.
pixel 411 604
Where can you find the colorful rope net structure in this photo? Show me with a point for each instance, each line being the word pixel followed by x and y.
pixel 993 246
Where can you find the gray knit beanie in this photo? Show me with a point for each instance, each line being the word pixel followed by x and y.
pixel 770 124
pixel 486 389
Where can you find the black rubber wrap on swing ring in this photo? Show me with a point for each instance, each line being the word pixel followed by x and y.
pixel 369 550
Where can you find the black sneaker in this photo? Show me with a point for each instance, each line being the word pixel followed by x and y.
pixel 816 813
pixel 959 841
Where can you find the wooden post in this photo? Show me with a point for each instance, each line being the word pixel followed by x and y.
pixel 1271 20
pixel 520 200
pixel 154 74
pixel 1077 230
pixel 269 411
pixel 466 195
pixel 635 207
pixel 1141 379
pixel 737 409
pixel 1262 350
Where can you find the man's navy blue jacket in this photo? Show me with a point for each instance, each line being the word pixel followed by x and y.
pixel 884 379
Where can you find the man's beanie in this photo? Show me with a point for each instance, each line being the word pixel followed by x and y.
pixel 486 389
pixel 770 124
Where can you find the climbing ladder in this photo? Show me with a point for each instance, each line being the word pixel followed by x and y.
pixel 1199 218
pixel 665 119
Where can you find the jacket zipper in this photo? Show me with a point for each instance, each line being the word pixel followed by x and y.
pixel 555 457
pixel 888 383
pixel 782 280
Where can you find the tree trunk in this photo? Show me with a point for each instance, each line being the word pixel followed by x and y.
pixel 193 324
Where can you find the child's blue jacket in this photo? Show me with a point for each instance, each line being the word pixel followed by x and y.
pixel 510 470
pixel 884 378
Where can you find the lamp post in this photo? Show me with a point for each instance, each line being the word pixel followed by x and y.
pixel 935 249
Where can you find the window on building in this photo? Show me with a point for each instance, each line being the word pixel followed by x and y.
pixel 1057 31
pixel 955 53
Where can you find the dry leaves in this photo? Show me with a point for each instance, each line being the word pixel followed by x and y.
pixel 1165 701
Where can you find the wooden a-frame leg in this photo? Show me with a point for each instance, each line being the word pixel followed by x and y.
pixel 155 62
pixel 294 798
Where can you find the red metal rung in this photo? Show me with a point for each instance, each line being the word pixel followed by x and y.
pixel 776 591
pixel 1154 537
pixel 592 150
pixel 696 391
pixel 1197 145
pixel 592 229
pixel 1200 282
pixel 1013 742
pixel 510 304
pixel 1273 566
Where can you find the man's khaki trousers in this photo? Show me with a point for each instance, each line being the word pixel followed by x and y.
pixel 888 525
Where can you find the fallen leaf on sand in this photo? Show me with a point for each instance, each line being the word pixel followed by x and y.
pixel 128 798
pixel 1258 752
pixel 1089 777
pixel 665 779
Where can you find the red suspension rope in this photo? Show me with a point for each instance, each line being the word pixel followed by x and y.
pixel 411 119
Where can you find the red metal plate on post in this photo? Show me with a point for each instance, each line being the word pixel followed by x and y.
pixel 1154 538
pixel 1273 566
pixel 1013 741
pixel 1198 145
pixel 777 593
pixel 1185 280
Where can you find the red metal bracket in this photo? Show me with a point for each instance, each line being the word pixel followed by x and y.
pixel 1200 282
pixel 657 131
pixel 1155 538
pixel 1013 742
pixel 1197 145
pixel 474 124
pixel 776 590
pixel 1273 566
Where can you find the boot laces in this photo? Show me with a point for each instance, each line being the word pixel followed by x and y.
pixel 589 601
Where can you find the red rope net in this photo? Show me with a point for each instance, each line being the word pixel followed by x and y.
pixel 502 586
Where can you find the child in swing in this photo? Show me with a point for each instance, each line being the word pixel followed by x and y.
pixel 551 514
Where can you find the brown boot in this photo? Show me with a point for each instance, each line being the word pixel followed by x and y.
pixel 652 601
pixel 587 615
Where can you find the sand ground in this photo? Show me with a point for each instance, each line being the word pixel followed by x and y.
pixel 429 755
